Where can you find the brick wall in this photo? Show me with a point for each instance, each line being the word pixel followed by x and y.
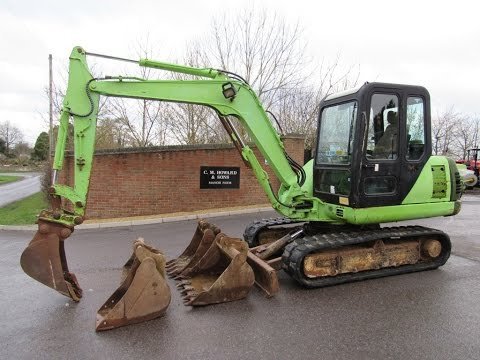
pixel 167 179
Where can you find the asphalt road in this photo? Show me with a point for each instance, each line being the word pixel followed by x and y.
pixel 428 315
pixel 19 189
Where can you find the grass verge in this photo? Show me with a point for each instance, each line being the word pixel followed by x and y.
pixel 4 179
pixel 23 212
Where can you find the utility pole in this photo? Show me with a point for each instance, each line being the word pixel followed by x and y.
pixel 50 114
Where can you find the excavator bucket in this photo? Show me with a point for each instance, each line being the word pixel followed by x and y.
pixel 143 294
pixel 221 275
pixel 44 259
pixel 202 240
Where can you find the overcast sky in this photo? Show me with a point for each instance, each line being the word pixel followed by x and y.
pixel 431 43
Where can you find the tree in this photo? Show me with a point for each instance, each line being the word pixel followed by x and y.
pixel 298 113
pixel 58 95
pixel 443 131
pixel 11 135
pixel 262 47
pixel 141 120
pixel 258 46
pixel 270 55
pixel 3 146
pixel 111 134
pixel 40 150
pixel 453 133
pixel 466 131
pixel 189 123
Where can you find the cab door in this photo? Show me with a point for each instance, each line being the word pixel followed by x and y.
pixel 379 182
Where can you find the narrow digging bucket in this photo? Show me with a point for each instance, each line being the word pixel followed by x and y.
pixel 44 259
pixel 202 240
pixel 221 275
pixel 143 295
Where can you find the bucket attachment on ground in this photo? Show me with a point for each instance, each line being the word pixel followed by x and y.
pixel 144 293
pixel 221 275
pixel 202 240
pixel 44 259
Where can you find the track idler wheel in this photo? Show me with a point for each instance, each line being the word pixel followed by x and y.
pixel 144 293
pixel 221 275
pixel 44 259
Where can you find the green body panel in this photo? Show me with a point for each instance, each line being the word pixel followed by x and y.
pixel 429 197
pixel 429 185
pixel 383 214
pixel 293 201
pixel 307 186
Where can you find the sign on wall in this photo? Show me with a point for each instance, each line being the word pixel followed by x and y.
pixel 219 177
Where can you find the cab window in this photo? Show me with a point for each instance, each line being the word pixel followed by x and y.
pixel 335 140
pixel 383 127
pixel 415 128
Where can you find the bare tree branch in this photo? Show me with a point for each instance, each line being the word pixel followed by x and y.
pixel 11 135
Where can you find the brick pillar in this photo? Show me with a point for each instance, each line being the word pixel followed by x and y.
pixel 295 146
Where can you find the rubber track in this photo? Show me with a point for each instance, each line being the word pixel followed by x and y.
pixel 296 251
pixel 250 235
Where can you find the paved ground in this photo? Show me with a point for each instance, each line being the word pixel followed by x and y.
pixel 429 315
pixel 19 189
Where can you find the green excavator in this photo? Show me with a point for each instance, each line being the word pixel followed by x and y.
pixel 372 165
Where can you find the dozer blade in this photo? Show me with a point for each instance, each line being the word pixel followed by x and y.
pixel 221 275
pixel 44 259
pixel 202 240
pixel 143 295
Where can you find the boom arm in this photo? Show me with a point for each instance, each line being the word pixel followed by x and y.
pixel 228 96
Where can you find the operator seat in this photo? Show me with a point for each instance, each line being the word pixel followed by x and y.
pixel 386 147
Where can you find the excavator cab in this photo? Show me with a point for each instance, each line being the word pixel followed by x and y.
pixel 373 143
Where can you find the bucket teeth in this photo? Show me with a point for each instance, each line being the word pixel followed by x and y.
pixel 170 265
pixel 184 292
pixel 170 262
pixel 171 268
pixel 220 274
pixel 183 283
pixel 201 241
pixel 188 296
pixel 172 271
